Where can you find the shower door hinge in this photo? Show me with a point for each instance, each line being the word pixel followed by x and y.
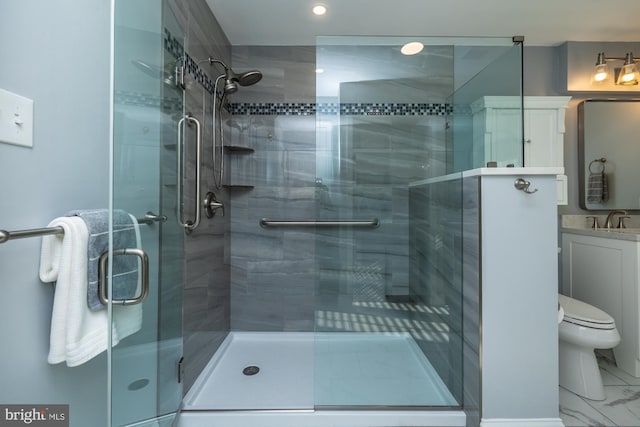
pixel 180 369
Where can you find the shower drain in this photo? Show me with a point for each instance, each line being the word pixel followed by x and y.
pixel 251 370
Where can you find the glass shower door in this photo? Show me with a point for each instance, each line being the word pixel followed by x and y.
pixel 380 128
pixel 396 324
pixel 145 387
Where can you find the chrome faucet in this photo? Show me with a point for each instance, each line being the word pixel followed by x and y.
pixel 607 223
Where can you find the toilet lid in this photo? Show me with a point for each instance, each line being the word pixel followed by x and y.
pixel 583 312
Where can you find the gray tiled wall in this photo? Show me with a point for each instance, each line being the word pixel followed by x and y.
pixel 281 276
pixel 444 275
pixel 471 293
pixel 206 309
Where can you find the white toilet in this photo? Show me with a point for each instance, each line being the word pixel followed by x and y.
pixel 583 329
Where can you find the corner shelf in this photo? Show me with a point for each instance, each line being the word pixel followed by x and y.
pixel 238 149
pixel 238 187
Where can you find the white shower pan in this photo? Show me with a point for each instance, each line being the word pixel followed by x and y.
pixel 319 379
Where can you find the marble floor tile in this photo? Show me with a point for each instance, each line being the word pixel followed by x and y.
pixel 574 412
pixel 620 408
pixel 609 378
pixel 622 405
pixel 608 366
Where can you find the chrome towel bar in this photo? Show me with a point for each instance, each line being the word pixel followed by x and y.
pixel 264 222
pixel 5 235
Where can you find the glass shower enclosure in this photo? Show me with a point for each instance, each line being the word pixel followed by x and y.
pixel 394 322
pixel 147 108
pixel 376 289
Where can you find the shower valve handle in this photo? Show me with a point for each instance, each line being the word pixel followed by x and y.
pixel 211 205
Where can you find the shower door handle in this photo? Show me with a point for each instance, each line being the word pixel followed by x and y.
pixel 189 226
pixel 144 275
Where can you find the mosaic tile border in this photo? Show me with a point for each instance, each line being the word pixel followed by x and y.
pixel 144 100
pixel 173 46
pixel 351 109
pixel 175 49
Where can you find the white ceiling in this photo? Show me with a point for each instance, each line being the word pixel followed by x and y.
pixel 542 22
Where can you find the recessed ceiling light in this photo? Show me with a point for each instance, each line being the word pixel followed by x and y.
pixel 412 48
pixel 319 70
pixel 319 9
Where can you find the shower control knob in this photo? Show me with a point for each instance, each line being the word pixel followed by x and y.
pixel 211 205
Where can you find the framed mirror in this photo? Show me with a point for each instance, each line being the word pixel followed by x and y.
pixel 609 154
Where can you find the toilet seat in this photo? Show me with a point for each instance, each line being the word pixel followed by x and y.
pixel 586 315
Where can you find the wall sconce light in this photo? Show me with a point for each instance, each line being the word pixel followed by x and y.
pixel 628 75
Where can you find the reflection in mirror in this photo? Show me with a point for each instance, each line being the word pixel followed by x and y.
pixel 609 154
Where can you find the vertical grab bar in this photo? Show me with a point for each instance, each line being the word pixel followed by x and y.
pixel 189 225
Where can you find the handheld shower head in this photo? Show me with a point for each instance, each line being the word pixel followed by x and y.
pixel 230 86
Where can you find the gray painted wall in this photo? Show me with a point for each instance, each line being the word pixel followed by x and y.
pixel 62 63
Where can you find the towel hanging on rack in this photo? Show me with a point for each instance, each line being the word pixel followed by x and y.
pixel 77 333
pixel 598 182
pixel 125 268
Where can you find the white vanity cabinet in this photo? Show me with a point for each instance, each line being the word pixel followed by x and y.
pixel 496 128
pixel 601 269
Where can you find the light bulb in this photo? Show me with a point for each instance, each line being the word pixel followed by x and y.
pixel 628 76
pixel 601 75
pixel 601 72
pixel 319 9
pixel 412 48
pixel 629 72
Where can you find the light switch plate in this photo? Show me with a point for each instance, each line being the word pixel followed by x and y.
pixel 16 119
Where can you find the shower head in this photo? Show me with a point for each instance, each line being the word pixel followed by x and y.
pixel 247 78
pixel 232 79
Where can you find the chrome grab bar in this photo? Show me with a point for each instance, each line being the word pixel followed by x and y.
pixel 189 225
pixel 144 273
pixel 264 222
pixel 5 235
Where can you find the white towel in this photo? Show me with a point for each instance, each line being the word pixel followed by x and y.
pixel 78 334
